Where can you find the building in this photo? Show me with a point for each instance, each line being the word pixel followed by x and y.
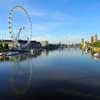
pixel 33 44
pixel 9 42
pixel 44 43
pixel 95 38
pixel 82 41
pixel 92 40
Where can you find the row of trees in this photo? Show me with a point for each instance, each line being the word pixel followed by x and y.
pixel 4 46
pixel 95 44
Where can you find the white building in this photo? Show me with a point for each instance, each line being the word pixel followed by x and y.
pixel 44 43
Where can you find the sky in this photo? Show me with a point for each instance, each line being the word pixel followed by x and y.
pixel 65 21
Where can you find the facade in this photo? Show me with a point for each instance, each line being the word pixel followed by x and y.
pixel 94 38
pixel 82 41
pixel 9 42
pixel 85 45
pixel 33 44
pixel 44 43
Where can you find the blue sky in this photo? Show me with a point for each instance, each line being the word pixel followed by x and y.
pixel 56 20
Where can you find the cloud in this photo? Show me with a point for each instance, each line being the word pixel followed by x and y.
pixel 40 27
pixel 37 13
pixel 41 37
pixel 51 15
pixel 73 38
pixel 61 16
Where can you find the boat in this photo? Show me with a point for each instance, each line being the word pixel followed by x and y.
pixel 97 55
pixel 1 54
pixel 11 53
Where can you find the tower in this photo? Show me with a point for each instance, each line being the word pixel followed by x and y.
pixel 95 38
pixel 82 41
pixel 92 39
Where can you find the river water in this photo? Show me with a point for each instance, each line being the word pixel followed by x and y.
pixel 65 74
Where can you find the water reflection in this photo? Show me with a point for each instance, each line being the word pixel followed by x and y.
pixel 49 73
pixel 45 53
pixel 21 74
pixel 95 54
pixel 21 65
pixel 20 57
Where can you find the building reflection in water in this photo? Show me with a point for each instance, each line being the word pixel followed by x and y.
pixel 21 72
pixel 92 52
pixel 45 53
pixel 20 57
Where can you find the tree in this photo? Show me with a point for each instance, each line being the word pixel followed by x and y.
pixel 1 46
pixel 6 46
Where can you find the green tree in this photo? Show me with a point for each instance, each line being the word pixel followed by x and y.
pixel 95 44
pixel 6 46
pixel 1 46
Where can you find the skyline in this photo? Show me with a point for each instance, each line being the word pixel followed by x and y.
pixel 57 20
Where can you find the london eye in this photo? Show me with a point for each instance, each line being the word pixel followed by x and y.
pixel 16 31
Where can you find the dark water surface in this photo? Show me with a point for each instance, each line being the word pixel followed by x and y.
pixel 55 75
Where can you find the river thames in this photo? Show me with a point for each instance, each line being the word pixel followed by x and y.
pixel 65 74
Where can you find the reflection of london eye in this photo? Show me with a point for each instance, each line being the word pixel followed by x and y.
pixel 15 36
pixel 21 77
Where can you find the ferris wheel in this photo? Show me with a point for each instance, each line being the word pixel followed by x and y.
pixel 15 36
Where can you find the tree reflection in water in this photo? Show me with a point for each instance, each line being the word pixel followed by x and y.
pixel 91 52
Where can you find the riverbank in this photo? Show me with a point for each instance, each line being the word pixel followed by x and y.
pixel 95 46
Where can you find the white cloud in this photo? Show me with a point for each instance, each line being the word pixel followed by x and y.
pixel 37 13
pixel 39 38
pixel 52 16
pixel 73 38
pixel 60 16
pixel 41 27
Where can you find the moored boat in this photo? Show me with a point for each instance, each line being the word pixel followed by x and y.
pixel 11 53
pixel 1 54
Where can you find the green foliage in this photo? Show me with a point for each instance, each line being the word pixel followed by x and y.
pixel 81 45
pixel 95 44
pixel 6 46
pixel 1 46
